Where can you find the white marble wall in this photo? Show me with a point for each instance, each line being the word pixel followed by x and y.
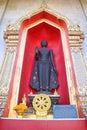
pixel 12 10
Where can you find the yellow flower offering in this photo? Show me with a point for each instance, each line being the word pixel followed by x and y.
pixel 20 108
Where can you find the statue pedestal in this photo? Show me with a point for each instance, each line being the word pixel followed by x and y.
pixel 54 99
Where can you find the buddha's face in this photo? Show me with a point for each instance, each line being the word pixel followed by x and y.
pixel 44 43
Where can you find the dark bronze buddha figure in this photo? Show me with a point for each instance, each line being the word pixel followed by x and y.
pixel 44 74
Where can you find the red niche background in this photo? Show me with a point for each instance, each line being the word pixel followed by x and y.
pixel 33 39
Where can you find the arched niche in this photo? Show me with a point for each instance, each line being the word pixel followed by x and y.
pixel 32 29
pixel 44 25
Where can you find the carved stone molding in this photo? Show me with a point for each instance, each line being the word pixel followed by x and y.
pixel 11 37
pixel 76 36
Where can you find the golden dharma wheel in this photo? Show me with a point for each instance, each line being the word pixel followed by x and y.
pixel 41 102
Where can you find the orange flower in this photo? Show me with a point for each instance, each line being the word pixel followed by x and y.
pixel 21 107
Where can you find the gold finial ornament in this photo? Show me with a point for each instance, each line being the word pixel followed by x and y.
pixel 44 4
pixel 41 104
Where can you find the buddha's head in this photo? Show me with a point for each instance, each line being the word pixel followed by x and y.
pixel 44 43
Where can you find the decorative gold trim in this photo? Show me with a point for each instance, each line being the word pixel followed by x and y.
pixel 11 33
pixel 15 27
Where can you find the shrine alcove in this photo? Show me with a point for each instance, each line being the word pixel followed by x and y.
pixel 44 26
